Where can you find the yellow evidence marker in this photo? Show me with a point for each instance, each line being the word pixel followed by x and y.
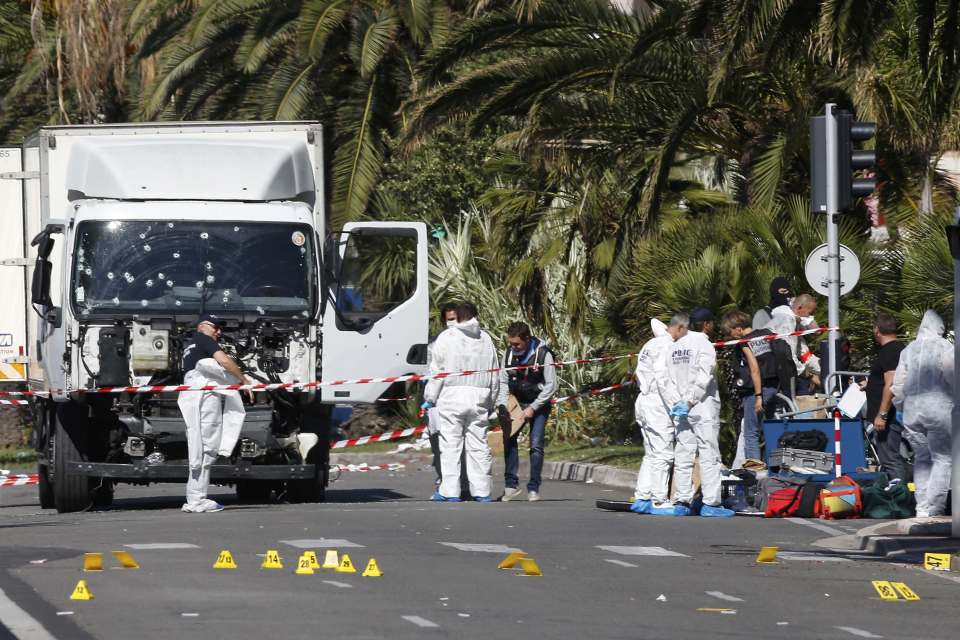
pixel 81 592
pixel 936 561
pixel 225 561
pixel 529 567
pixel 905 591
pixel 312 556
pixel 767 555
pixel 330 559
pixel 303 566
pixel 372 570
pixel 125 559
pixel 512 560
pixel 271 560
pixel 93 562
pixel 885 590
pixel 346 566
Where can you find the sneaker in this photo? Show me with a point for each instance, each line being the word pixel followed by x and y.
pixel 509 493
pixel 641 506
pixel 438 497
pixel 483 499
pixel 706 511
pixel 533 496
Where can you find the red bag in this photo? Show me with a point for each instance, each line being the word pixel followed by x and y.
pixel 783 503
pixel 840 499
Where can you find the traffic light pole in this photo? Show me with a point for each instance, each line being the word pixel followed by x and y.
pixel 833 247
pixel 953 237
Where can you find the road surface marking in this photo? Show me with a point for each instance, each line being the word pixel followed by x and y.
pixel 642 551
pixel 819 526
pixel 723 596
pixel 19 622
pixel 800 555
pixel 342 585
pixel 322 543
pixel 64 613
pixel 484 548
pixel 860 633
pixel 620 562
pixel 190 615
pixel 421 622
pixel 161 545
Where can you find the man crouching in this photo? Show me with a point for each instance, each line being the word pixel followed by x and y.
pixel 213 418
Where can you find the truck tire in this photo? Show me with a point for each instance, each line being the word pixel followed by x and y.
pixel 315 489
pixel 44 487
pixel 71 491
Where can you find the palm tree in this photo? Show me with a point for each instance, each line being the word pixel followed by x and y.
pixel 347 63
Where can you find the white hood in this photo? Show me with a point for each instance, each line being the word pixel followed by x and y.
pixel 658 328
pixel 469 328
pixel 931 326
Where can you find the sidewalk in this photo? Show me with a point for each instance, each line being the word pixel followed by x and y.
pixel 905 540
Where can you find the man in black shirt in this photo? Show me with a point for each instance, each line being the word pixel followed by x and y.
pixel 886 432
pixel 213 418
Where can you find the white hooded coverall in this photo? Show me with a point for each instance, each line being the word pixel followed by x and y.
pixel 653 415
pixel 690 378
pixel 464 404
pixel 214 420
pixel 923 390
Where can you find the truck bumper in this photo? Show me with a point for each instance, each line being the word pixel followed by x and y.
pixel 179 472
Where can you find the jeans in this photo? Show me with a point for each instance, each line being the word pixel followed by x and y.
pixel 887 444
pixel 511 454
pixel 752 423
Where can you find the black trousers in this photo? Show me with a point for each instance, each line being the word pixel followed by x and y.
pixel 887 444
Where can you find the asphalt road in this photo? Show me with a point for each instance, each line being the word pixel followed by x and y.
pixel 605 574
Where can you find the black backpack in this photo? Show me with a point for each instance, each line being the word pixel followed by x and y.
pixel 810 440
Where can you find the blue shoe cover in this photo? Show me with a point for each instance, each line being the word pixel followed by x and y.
pixel 716 512
pixel 641 506
pixel 437 497
pixel 483 499
pixel 669 510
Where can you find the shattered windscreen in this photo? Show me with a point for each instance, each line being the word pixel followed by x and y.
pixel 150 266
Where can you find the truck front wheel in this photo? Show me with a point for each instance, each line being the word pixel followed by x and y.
pixel 71 491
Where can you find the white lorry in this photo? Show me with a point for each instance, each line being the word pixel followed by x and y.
pixel 120 236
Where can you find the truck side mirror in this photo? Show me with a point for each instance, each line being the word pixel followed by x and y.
pixel 40 287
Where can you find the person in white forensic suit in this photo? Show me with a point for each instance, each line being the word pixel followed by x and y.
pixel 213 418
pixel 653 415
pixel 464 404
pixel 923 396
pixel 694 399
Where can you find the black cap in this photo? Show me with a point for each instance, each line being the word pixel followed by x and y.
pixel 212 319
pixel 701 314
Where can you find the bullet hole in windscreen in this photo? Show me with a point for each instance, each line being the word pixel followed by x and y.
pixel 144 303
pixel 110 275
pixel 116 301
pixel 149 282
pixel 176 255
pixel 204 235
pixel 147 248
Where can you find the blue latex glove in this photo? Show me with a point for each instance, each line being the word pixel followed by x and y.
pixel 900 417
pixel 426 406
pixel 680 410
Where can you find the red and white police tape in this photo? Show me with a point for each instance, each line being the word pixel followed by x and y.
pixel 363 467
pixel 17 480
pixel 414 377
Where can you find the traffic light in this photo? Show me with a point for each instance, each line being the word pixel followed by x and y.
pixel 834 160
pixel 850 160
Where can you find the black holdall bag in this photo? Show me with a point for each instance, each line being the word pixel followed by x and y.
pixel 810 440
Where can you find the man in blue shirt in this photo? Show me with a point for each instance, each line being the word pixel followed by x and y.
pixel 533 387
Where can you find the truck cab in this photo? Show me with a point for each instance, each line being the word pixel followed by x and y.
pixel 137 230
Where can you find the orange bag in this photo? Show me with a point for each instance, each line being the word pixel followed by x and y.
pixel 839 499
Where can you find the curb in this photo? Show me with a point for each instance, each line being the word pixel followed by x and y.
pixel 590 472
pixel 902 540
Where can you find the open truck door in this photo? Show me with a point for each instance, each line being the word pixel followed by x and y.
pixel 13 262
pixel 377 305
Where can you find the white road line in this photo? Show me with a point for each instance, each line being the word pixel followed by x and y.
pixel 322 543
pixel 819 526
pixel 190 615
pixel 161 545
pixel 64 613
pixel 341 585
pixel 723 596
pixel 19 622
pixel 860 633
pixel 421 622
pixel 642 551
pixel 483 548
pixel 800 555
pixel 619 562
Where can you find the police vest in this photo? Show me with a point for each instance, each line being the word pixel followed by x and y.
pixel 765 352
pixel 525 384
